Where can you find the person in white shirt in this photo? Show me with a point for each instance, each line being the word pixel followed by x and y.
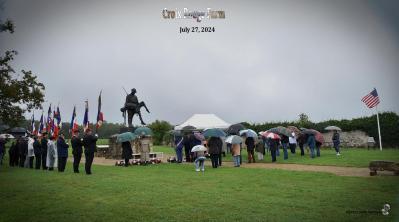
pixel 31 153
pixel 292 141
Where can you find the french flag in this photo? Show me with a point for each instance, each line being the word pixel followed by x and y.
pixel 49 126
pixel 86 116
pixel 41 125
pixel 57 116
pixel 100 115
pixel 74 125
pixel 34 132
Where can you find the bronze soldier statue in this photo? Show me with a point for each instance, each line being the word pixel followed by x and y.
pixel 133 106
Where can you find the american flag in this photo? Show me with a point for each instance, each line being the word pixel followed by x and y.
pixel 371 99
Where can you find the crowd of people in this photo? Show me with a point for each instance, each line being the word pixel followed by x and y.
pixel 218 147
pixel 48 152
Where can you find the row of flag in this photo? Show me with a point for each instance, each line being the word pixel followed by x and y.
pixel 52 124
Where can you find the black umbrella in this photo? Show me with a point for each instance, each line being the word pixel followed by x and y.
pixel 18 130
pixel 188 128
pixel 175 132
pixel 235 129
pixel 4 127
pixel 308 131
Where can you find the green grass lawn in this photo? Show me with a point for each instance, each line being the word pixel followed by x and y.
pixel 171 192
pixel 355 157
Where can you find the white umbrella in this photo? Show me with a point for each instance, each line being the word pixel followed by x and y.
pixel 333 128
pixel 233 139
pixel 198 148
pixel 249 133
pixel 5 136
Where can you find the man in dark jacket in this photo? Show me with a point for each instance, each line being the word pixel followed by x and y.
pixel 77 150
pixel 284 143
pixel 62 152
pixel 187 147
pixel 302 138
pixel 250 143
pixel 215 149
pixel 89 142
pixel 22 150
pixel 273 143
pixel 43 144
pixel 13 155
pixel 37 149
pixel 2 149
pixel 312 144
pixel 126 152
pixel 336 142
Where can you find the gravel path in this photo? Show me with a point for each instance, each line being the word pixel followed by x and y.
pixel 337 170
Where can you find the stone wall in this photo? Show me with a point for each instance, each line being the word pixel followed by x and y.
pixel 355 138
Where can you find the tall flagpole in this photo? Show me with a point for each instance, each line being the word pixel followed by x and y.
pixel 379 131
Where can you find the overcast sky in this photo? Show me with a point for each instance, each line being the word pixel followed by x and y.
pixel 267 61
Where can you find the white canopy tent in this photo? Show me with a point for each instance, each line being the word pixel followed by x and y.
pixel 204 121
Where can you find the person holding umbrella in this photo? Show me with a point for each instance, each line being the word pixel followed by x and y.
pixel 301 142
pixel 179 148
pixel 336 142
pixel 312 144
pixel 215 149
pixel 292 141
pixel 187 147
pixel 273 147
pixel 260 148
pixel 200 160
pixel 273 141
pixel 126 152
pixel 250 143
pixel 236 152
pixel 235 142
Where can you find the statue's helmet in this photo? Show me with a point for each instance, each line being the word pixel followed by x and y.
pixel 134 90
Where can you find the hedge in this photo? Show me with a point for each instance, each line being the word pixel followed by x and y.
pixel 389 122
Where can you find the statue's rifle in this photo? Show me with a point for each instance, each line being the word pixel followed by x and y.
pixel 124 112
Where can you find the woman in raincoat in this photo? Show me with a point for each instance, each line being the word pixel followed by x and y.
pixel 51 154
pixel 260 148
pixel 31 154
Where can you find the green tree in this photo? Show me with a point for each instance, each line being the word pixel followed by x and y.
pixel 160 129
pixel 18 93
pixel 304 121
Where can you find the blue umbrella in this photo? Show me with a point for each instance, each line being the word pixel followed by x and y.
pixel 124 137
pixel 143 131
pixel 214 133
